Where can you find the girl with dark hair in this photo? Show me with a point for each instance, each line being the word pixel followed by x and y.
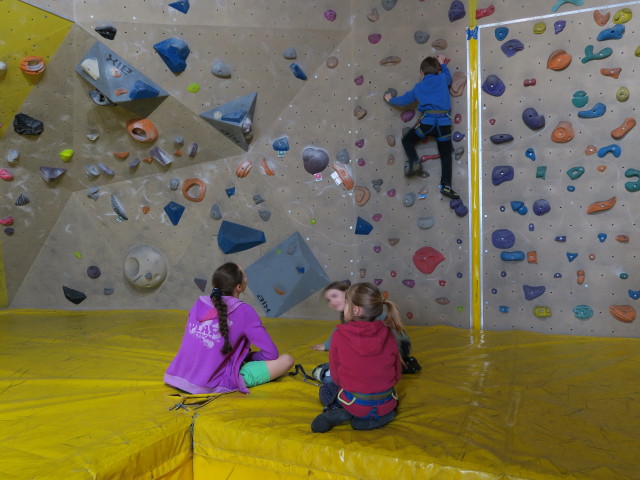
pixel 215 355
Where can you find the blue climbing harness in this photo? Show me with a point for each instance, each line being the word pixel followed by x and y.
pixel 368 400
pixel 435 115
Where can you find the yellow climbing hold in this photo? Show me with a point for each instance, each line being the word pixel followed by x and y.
pixel 542 312
pixel 622 95
pixel 622 16
pixel 77 254
pixel 637 52
pixel 539 27
pixel 193 88
pixel 65 155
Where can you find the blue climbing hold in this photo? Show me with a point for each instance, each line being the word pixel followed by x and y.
pixel 515 256
pixel 142 90
pixel 530 154
pixel 363 227
pixel 235 116
pixel 519 207
pixel 561 238
pixel 614 33
pixel 635 294
pixel 511 47
pixel 174 211
pixel 174 53
pixel 583 312
pixel 559 3
pixel 297 71
pixel 503 309
pixel 615 150
pixel 540 207
pixel 501 174
pixel 533 292
pixel 602 237
pixel 281 144
pixel 503 238
pixel 181 5
pixel 457 136
pixel 598 110
pixel 501 33
pixel 233 237
pixel 571 256
pixel 230 191
pixel 571 188
pixel 501 138
pixel 456 11
pixel 300 269
pixel 557 275
pixel 532 227
pixel 590 55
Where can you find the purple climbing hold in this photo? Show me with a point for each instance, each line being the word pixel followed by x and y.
pixel 377 249
pixel 374 38
pixel 377 282
pixel 174 53
pixel 330 15
pixel 457 136
pixel 511 47
pixel 461 210
pixel 532 119
pixel 359 80
pixel 376 217
pixel 533 292
pixel 51 174
pixel 456 11
pixel 360 143
pixel 407 115
pixel 409 283
pixel 503 238
pixel 540 207
pixel 501 138
pixel 501 174
pixel 314 160
pixel 493 86
pixel 201 283
pixel 93 272
pixel 559 26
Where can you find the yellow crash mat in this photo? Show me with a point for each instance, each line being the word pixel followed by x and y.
pixel 82 397
pixel 494 405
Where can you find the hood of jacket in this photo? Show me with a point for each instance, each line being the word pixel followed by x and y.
pixel 364 337
pixel 205 309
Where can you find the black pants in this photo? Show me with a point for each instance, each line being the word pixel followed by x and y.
pixel 445 147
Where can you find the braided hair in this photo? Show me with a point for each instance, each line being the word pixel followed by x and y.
pixel 225 279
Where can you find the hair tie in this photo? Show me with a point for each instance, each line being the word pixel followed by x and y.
pixel 216 292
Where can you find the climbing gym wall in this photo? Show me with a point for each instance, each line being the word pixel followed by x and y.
pixel 165 138
pixel 559 168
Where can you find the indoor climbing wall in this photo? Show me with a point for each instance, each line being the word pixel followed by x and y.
pixel 162 139
pixel 559 167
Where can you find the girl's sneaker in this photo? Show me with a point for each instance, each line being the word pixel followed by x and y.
pixel 447 191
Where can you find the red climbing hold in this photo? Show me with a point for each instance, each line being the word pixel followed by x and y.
pixel 426 259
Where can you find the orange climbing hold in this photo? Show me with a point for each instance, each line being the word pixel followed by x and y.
pixel 32 65
pixel 623 129
pixel 188 184
pixel 623 313
pixel 268 167
pixel 120 91
pixel 244 168
pixel 121 155
pixel 590 150
pixel 563 132
pixel 142 130
pixel 622 238
pixel 602 205
pixel 344 175
pixel 279 291
pixel 146 209
pixel 532 257
pixel 362 195
pixel 611 72
pixel 601 168
pixel 601 18
pixel 558 60
pixel 580 277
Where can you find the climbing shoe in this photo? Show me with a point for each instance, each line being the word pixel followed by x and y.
pixel 447 191
pixel 329 419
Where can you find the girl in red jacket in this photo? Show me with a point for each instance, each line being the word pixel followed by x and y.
pixel 364 361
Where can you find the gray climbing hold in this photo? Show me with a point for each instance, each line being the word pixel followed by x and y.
pixel 409 199
pixel 426 222
pixel 315 160
pixel 220 69
pixel 51 174
pixel 118 208
pixel 134 163
pixel 26 125
pixel 160 156
pixel 193 149
pixel 100 99
pixel 178 140
pixel 264 214
pixel 22 199
pixel 12 156
pixel 106 170
pixel 388 4
pixel 215 212
pixel 421 37
pixel 108 291
pixel 201 283
pixel 93 272
pixel 74 296
pixel 290 53
pixel 377 183
pixel 93 193
pixel 343 156
pixel 257 198
pixel 174 183
pixel 458 153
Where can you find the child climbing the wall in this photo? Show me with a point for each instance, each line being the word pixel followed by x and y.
pixel 364 361
pixel 215 355
pixel 434 105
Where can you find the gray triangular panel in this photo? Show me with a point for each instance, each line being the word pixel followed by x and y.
pixel 228 118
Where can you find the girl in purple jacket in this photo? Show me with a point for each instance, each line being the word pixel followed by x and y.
pixel 215 355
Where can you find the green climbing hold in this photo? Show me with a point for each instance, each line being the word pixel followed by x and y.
pixel 622 95
pixel 624 276
pixel 460 308
pixel 575 172
pixel 65 155
pixel 77 254
pixel 632 186
pixel 193 88
pixel 541 172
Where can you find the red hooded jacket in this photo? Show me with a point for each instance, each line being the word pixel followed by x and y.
pixel 364 358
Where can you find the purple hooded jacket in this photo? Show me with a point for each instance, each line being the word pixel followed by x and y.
pixel 200 366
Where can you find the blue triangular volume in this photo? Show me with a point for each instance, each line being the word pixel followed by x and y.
pixel 363 227
pixel 181 5
pixel 233 237
pixel 174 211
pixel 228 119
